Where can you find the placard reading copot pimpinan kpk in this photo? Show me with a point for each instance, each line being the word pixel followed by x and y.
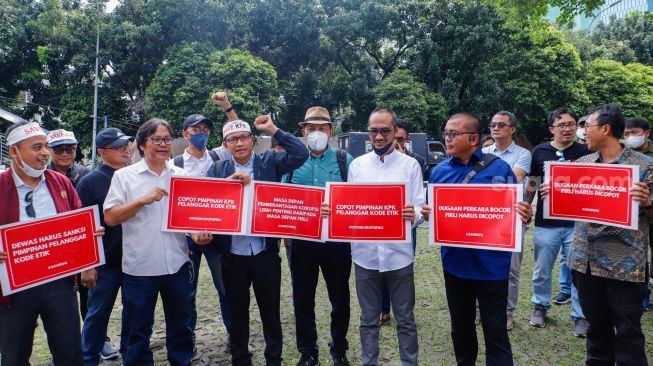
pixel 479 216
pixel 44 250
pixel 286 211
pixel 597 193
pixel 206 204
pixel 367 212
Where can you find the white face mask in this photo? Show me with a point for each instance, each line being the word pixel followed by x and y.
pixel 580 133
pixel 34 173
pixel 635 142
pixel 317 141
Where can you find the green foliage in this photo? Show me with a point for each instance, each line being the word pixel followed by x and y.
pixel 629 86
pixel 191 72
pixel 423 109
pixel 636 29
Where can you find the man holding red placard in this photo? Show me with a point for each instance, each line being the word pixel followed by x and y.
pixel 252 260
pixel 473 275
pixel 325 164
pixel 389 262
pixel 31 192
pixel 609 263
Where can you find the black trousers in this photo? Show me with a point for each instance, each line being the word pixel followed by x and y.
pixel 614 310
pixel 306 260
pixel 492 297
pixel 263 272
pixel 56 303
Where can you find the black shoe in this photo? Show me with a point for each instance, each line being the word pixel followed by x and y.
pixel 340 361
pixel 308 360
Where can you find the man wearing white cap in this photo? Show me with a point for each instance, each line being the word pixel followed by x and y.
pixel 29 191
pixel 62 145
pixel 248 260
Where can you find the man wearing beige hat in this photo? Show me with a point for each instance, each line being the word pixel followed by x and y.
pixel 325 164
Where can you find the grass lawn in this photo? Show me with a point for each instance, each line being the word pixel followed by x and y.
pixel 553 345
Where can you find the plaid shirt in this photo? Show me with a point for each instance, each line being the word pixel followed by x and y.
pixel 612 252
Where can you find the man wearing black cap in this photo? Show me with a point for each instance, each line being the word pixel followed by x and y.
pixel 103 282
pixel 196 160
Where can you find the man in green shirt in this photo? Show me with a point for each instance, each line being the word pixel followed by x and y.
pixel 325 164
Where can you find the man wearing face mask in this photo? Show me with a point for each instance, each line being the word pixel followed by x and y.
pixel 325 164
pixel 29 191
pixel 389 262
pixel 197 160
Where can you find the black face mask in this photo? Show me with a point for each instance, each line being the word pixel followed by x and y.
pixel 383 150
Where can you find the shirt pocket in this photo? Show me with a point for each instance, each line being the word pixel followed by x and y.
pixel 333 176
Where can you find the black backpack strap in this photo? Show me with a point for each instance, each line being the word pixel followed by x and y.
pixel 214 155
pixel 480 165
pixel 179 161
pixel 290 174
pixel 342 164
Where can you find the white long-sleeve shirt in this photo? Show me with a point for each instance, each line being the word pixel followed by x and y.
pixel 396 168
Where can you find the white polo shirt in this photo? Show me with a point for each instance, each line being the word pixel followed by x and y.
pixel 197 167
pixel 147 251
pixel 397 168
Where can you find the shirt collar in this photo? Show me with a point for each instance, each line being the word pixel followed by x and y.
pixel 187 156
pixel 511 148
pixel 249 162
pixel 329 151
pixel 19 182
pixel 142 167
pixel 476 156
pixel 386 158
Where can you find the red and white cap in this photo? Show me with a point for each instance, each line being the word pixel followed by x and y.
pixel 235 126
pixel 24 132
pixel 61 137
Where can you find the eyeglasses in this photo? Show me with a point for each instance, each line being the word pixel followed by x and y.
pixel 158 140
pixel 561 155
pixel 453 134
pixel 587 125
pixel 197 130
pixel 499 125
pixel 385 131
pixel 121 149
pixel 64 149
pixel 29 208
pixel 242 138
pixel 564 126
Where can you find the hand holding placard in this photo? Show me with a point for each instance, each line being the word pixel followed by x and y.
pixel 641 194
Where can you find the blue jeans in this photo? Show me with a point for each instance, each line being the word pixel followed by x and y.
pixel 141 293
pixel 548 242
pixel 100 304
pixel 214 260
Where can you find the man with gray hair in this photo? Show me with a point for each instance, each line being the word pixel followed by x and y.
pixel 502 130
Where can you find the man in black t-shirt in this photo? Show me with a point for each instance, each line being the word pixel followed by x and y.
pixel 555 236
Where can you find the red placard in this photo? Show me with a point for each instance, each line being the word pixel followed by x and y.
pixel 43 250
pixel 598 193
pixel 480 216
pixel 286 211
pixel 367 212
pixel 206 204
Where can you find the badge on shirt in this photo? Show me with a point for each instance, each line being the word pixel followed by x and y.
pixel 64 195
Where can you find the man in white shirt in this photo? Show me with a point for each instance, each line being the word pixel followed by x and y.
pixel 389 262
pixel 154 262
pixel 502 129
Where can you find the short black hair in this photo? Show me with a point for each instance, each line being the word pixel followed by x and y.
pixel 636 122
pixel 486 139
pixel 14 126
pixel 148 129
pixel 511 117
pixel 610 114
pixel 401 123
pixel 471 121
pixel 556 113
pixel 386 110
